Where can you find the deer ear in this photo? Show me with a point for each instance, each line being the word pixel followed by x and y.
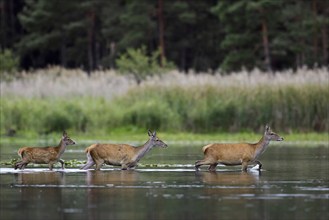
pixel 64 134
pixel 154 134
pixel 149 133
pixel 267 128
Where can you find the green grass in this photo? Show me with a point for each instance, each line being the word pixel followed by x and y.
pixel 175 138
pixel 192 110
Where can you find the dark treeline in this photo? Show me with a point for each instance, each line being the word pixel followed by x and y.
pixel 199 35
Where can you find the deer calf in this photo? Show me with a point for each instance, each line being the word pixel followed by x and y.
pixel 123 155
pixel 236 154
pixel 44 155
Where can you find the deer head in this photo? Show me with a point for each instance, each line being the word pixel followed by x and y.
pixel 155 140
pixel 270 135
pixel 67 140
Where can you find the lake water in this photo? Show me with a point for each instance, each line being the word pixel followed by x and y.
pixel 293 185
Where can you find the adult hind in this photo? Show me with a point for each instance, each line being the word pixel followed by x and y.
pixel 123 155
pixel 237 154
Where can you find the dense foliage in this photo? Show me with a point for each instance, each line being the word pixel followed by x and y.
pixel 199 35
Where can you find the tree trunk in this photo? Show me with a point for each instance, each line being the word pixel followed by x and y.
pixel 3 24
pixel 183 60
pixel 266 46
pixel 325 48
pixel 161 32
pixel 12 20
pixel 91 41
pixel 112 54
pixel 315 34
pixel 63 50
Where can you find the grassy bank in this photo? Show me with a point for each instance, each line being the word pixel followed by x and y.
pixel 295 139
pixel 51 101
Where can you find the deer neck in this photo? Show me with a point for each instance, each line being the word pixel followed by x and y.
pixel 61 148
pixel 261 146
pixel 141 151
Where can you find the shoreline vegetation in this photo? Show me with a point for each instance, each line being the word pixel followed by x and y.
pixel 47 101
pixel 311 138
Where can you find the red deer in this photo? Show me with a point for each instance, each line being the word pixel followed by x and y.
pixel 44 155
pixel 123 155
pixel 236 154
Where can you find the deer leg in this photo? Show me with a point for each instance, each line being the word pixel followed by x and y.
pixel 20 165
pixel 198 164
pixel 128 166
pixel 131 165
pixel 90 163
pixel 98 164
pixel 204 162
pixel 259 163
pixel 244 166
pixel 212 167
pixel 51 166
pixel 87 165
pixel 62 163
pixel 23 166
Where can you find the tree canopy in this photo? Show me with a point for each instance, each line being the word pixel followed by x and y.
pixel 199 35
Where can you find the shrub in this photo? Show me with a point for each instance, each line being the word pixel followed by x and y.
pixel 140 65
pixel 8 64
pixel 150 114
pixel 56 121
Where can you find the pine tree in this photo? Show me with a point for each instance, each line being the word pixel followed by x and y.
pixel 193 35
pixel 248 26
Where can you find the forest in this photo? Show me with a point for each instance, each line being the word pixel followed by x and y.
pixel 98 66
pixel 203 36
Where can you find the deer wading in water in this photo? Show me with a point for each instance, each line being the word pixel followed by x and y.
pixel 44 155
pixel 123 155
pixel 236 154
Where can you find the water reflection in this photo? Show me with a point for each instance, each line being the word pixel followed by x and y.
pixel 114 177
pixel 229 178
pixel 228 184
pixel 40 178
pixel 112 194
pixel 295 185
pixel 39 194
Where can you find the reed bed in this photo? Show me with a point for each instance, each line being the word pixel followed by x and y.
pixel 55 99
pixel 56 82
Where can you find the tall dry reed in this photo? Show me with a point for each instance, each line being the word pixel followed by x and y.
pixel 54 99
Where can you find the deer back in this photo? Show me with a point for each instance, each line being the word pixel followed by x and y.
pixel 111 151
pixel 229 151
pixel 38 154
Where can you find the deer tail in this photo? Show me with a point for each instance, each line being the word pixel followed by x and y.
pixel 21 151
pixel 204 149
